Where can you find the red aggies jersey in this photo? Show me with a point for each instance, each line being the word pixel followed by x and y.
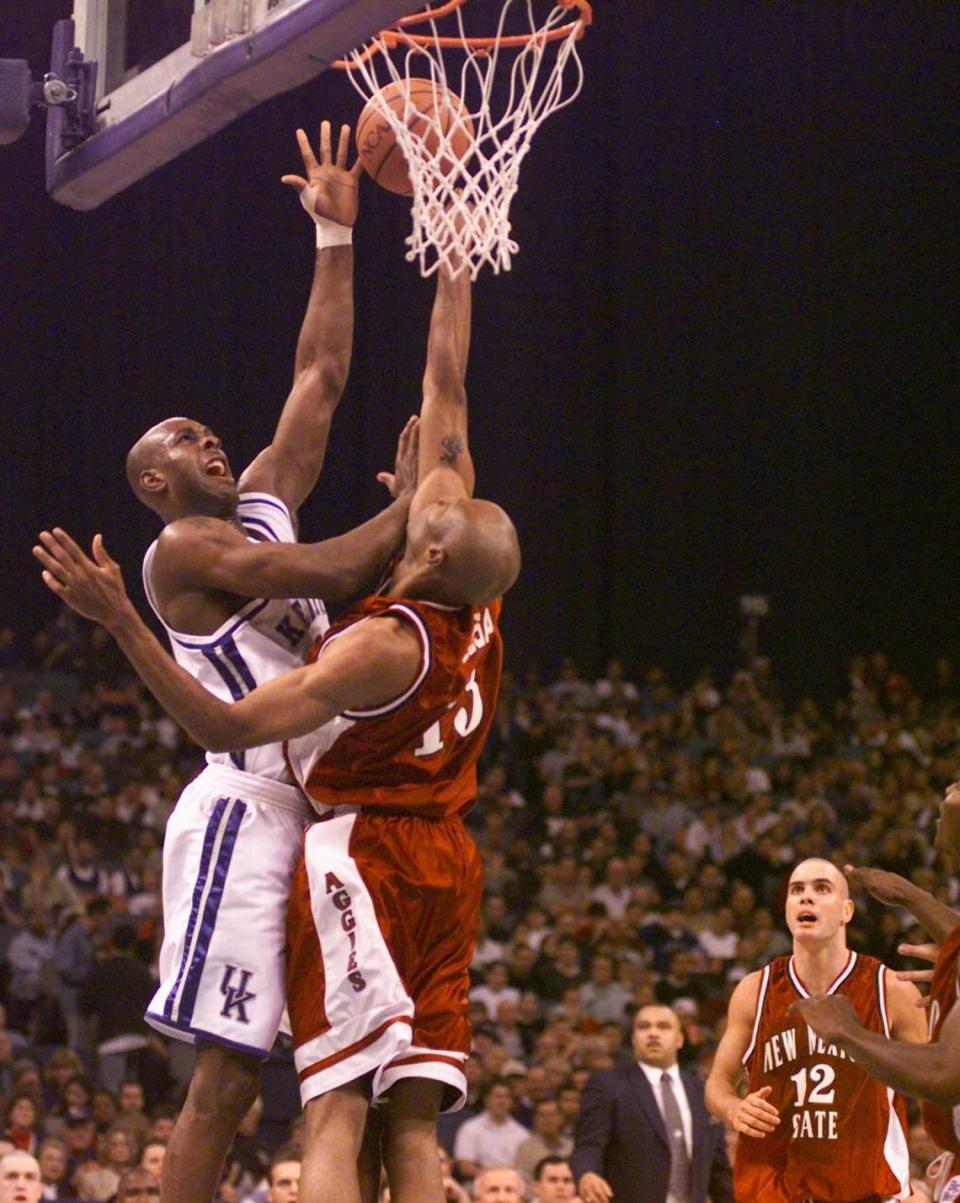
pixel 842 1134
pixel 418 753
pixel 943 1123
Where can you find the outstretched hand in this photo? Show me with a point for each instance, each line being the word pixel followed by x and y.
pixel 888 888
pixel 336 188
pixel 403 478
pixel 92 587
pixel 830 1015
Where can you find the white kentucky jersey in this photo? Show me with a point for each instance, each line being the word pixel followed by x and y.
pixel 266 636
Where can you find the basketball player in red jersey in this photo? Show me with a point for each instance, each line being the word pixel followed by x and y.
pixel 929 1072
pixel 814 1127
pixel 386 898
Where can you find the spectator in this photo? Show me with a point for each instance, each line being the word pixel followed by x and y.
pixel 62 1067
pixel 568 1100
pixel 116 994
pixel 80 1137
pixel 495 989
pixel 718 941
pixel 498 1184
pixel 52 1157
pixel 553 1181
pixel 490 1138
pixel 547 1139
pixel 152 1155
pixel 283 1177
pixel 20 1178
pixel 602 997
pixel 120 1151
pixel 73 960
pixel 81 870
pixel 29 954
pixel 131 1100
pixel 614 891
pixel 43 891
pixel 23 1122
pixel 453 1192
pixel 105 1110
pixel 137 1185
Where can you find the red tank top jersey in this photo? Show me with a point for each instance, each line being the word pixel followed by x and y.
pixel 842 1134
pixel 943 1123
pixel 419 752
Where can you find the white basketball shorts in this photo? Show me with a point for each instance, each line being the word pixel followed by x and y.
pixel 230 849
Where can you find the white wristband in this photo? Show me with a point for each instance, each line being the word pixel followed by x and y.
pixel 329 233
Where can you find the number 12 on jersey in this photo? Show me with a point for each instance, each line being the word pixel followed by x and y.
pixel 469 713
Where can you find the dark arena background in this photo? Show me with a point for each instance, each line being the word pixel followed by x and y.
pixel 724 363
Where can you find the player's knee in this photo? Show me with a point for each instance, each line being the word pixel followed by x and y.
pixel 225 1082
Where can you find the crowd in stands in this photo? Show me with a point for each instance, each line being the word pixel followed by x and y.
pixel 636 837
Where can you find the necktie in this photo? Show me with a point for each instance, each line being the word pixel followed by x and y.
pixel 679 1161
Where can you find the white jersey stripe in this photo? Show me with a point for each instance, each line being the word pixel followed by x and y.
pixel 213 850
pixel 761 997
pixel 255 524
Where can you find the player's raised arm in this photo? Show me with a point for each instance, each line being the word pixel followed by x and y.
pixel 751 1115
pixel 289 467
pixel 370 663
pixel 445 463
pixel 935 917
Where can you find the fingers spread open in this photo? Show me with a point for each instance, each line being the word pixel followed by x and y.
pixel 306 150
pixel 326 152
pixel 343 146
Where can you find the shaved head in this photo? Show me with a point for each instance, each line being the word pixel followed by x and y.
pixel 461 552
pixel 145 454
pixel 483 553
pixel 816 868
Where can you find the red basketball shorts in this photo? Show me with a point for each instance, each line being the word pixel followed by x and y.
pixel 380 930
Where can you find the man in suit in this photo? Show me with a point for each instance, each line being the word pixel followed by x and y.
pixel 643 1134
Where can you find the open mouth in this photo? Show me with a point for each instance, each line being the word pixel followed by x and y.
pixel 806 918
pixel 217 466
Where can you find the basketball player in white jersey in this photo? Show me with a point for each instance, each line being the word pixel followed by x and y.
pixel 220 577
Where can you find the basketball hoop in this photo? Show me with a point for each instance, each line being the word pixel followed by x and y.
pixel 461 203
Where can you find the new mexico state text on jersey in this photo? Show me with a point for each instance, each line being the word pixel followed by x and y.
pixel 842 1134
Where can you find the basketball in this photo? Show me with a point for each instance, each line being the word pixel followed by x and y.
pixel 379 150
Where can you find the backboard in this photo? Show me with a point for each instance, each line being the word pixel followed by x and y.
pixel 169 73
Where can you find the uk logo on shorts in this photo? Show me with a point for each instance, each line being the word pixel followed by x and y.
pixel 236 996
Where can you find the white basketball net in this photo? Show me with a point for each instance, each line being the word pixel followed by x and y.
pixel 461 207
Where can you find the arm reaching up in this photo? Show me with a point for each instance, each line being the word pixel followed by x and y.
pixel 289 467
pixel 445 462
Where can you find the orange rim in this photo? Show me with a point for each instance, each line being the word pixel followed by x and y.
pixel 389 39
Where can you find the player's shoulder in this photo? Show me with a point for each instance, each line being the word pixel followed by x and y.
pixel 187 545
pixel 747 990
pixel 613 1080
pixel 383 637
pixel 192 531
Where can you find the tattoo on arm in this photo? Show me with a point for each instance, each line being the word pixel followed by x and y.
pixel 452 446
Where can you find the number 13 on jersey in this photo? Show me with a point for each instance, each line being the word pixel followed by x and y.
pixel 467 713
